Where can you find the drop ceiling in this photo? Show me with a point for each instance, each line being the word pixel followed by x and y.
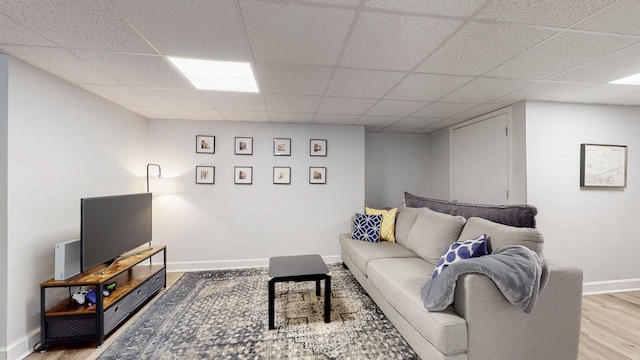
pixel 394 66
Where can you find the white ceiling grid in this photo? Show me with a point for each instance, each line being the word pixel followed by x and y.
pixel 395 66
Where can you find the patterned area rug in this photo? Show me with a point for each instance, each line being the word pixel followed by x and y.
pixel 223 315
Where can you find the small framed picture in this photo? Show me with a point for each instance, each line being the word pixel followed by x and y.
pixel 281 175
pixel 205 144
pixel 317 175
pixel 603 166
pixel 243 175
pixel 318 147
pixel 281 147
pixel 205 174
pixel 244 146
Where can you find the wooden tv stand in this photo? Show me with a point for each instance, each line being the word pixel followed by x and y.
pixel 69 321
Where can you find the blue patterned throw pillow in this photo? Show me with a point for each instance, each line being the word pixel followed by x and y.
pixel 461 250
pixel 366 227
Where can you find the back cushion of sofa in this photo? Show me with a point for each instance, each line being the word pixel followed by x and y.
pixel 502 235
pixel 512 215
pixel 405 218
pixel 432 233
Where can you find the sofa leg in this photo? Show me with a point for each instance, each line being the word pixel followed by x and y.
pixel 345 266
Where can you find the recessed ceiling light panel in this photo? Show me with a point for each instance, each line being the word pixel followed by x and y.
pixel 629 80
pixel 217 75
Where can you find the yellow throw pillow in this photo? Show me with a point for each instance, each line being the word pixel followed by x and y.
pixel 388 228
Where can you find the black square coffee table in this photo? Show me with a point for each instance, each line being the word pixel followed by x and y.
pixel 299 268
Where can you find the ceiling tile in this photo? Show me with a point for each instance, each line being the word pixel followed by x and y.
pixel 295 34
pixel 416 122
pixel 345 106
pixel 623 17
pixel 362 83
pixel 282 78
pixel 175 98
pixel 61 63
pixel 394 42
pixel 479 47
pixel 619 64
pixel 119 94
pixel 135 70
pixel 15 33
pixel 426 87
pixel 93 25
pixel 292 103
pixel 433 7
pixel 223 100
pixel 543 91
pixel 378 120
pixel 395 107
pixel 561 13
pixel 333 2
pixel 197 114
pixel 442 109
pixel 471 113
pixel 399 130
pixel 215 29
pixel 599 94
pixel 335 119
pixel 484 89
pixel 152 112
pixel 561 53
pixel 290 117
pixel 257 116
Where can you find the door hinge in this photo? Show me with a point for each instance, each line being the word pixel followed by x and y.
pixel 506 131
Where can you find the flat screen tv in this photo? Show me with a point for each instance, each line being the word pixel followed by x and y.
pixel 113 225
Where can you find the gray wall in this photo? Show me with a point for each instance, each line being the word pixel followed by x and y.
pixel 439 178
pixel 595 229
pixel 4 245
pixel 63 144
pixel 395 163
pixel 227 225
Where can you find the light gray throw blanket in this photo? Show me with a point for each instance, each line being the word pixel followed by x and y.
pixel 517 271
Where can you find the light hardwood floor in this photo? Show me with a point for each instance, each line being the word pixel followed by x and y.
pixel 610 330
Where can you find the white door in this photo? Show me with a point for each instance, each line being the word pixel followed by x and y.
pixel 480 161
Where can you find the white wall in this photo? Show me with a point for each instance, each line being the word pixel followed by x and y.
pixel 228 225
pixel 395 163
pixel 4 72
pixel 63 144
pixel 439 179
pixel 593 229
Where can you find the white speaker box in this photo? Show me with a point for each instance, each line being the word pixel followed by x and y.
pixel 67 259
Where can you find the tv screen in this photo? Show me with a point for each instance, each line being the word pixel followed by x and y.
pixel 113 225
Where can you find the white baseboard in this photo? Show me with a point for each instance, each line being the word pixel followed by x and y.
pixel 608 287
pixel 21 348
pixel 186 266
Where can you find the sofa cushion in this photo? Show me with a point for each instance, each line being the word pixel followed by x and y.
pixel 432 233
pixel 388 227
pixel 400 282
pixel 361 252
pixel 512 215
pixel 461 250
pixel 366 227
pixel 502 235
pixel 405 218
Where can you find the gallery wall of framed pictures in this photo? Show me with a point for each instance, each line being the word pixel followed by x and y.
pixel 244 146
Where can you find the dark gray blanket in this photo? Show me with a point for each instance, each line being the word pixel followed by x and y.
pixel 517 271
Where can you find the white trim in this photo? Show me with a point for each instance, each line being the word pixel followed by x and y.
pixel 611 286
pixel 22 347
pixel 187 266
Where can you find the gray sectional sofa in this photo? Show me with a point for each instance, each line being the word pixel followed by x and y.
pixel 481 323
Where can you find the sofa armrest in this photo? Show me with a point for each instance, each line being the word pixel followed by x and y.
pixel 497 330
